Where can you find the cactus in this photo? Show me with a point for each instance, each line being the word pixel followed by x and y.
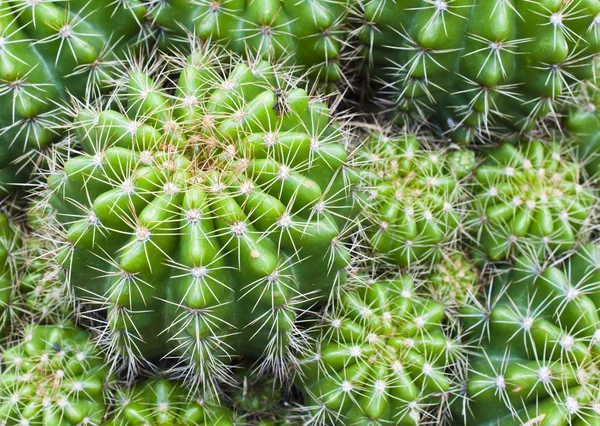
pixel 479 67
pixel 202 222
pixel 540 345
pixel 583 124
pixel 307 35
pixel 382 356
pixel 454 281
pixel 50 51
pixel 530 199
pixel 53 376
pixel 413 197
pixel 11 259
pixel 165 402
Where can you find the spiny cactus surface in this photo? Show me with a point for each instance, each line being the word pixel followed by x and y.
pixel 383 356
pixel 530 199
pixel 54 376
pixel 202 221
pixel 165 402
pixel 11 259
pixel 539 334
pixel 49 51
pixel 479 67
pixel 413 197
pixel 309 35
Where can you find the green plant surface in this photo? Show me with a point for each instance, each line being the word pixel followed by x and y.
pixel 479 68
pixel 539 345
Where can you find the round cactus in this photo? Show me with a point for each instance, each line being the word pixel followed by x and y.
pixel 412 197
pixel 454 280
pixel 308 35
pixel 11 258
pixel 530 199
pixel 49 51
pixel 540 345
pixel 165 402
pixel 383 356
pixel 200 223
pixel 53 376
pixel 479 67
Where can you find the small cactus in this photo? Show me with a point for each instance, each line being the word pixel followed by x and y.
pixel 412 196
pixel 530 199
pixel 165 402
pixel 52 376
pixel 383 356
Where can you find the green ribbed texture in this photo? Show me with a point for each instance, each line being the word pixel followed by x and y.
pixel 413 197
pixel 54 376
pixel 200 222
pixel 166 402
pixel 309 35
pixel 583 124
pixel 11 262
pixel 49 51
pixel 540 346
pixel 383 356
pixel 530 199
pixel 479 67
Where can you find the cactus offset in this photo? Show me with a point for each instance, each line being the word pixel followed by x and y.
pixel 530 199
pixel 413 197
pixel 383 356
pixel 53 376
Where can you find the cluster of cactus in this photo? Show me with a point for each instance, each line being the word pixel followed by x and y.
pixel 226 227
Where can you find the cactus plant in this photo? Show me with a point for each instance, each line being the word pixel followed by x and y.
pixel 202 222
pixel 53 376
pixel 539 338
pixel 11 258
pixel 165 402
pixel 382 356
pixel 50 51
pixel 583 124
pixel 413 197
pixel 308 35
pixel 530 199
pixel 479 67
pixel 454 281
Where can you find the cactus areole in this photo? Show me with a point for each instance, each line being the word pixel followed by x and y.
pixel 202 222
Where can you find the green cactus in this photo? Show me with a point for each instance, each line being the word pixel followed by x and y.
pixel 308 35
pixel 382 357
pixel 583 123
pixel 530 199
pixel 454 280
pixel 479 67
pixel 165 402
pixel 205 219
pixel 11 259
pixel 540 345
pixel 54 376
pixel 50 51
pixel 412 197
